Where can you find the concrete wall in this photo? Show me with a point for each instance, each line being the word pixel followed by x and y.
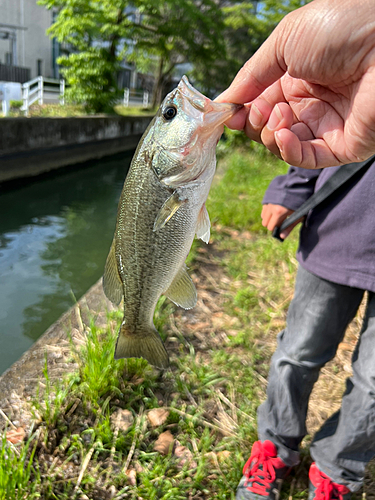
pixel 28 22
pixel 32 146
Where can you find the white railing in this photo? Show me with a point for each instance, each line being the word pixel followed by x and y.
pixel 42 90
pixel 136 98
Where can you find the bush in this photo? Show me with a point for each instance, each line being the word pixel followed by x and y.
pixel 237 139
pixel 15 105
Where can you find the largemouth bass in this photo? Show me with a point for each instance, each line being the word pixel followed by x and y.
pixel 162 207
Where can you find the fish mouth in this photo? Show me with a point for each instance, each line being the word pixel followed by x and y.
pixel 214 113
pixel 220 113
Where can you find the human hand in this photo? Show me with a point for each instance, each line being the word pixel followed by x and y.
pixel 310 87
pixel 274 215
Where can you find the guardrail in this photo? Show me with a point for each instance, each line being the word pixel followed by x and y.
pixel 42 89
pixel 47 89
pixel 136 98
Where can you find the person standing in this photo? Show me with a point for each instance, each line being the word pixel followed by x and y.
pixel 336 267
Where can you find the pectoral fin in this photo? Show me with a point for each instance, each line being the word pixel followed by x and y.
pixel 203 225
pixel 112 284
pixel 182 290
pixel 167 211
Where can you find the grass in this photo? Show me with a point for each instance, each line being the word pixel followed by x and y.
pixel 74 110
pixel 220 353
pixel 50 111
pixel 18 477
pixel 135 111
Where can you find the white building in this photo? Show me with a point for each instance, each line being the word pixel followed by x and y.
pixel 26 51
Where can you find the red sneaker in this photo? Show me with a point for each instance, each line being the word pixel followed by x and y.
pixel 321 487
pixel 263 473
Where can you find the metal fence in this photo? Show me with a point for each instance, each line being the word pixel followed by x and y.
pixel 14 73
pixel 43 90
pixel 136 98
pixel 47 91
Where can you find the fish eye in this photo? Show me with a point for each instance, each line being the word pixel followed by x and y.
pixel 170 112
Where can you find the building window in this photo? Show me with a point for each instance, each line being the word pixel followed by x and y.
pixel 9 58
pixel 40 67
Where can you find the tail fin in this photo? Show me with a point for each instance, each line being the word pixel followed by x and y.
pixel 142 344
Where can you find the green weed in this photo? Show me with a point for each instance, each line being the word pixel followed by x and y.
pixel 19 478
pixel 235 198
pixel 50 404
pixel 134 111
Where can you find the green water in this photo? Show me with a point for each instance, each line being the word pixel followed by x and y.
pixel 54 238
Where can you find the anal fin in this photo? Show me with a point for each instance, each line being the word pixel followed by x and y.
pixel 182 290
pixel 112 284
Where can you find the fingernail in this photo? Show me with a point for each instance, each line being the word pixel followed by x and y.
pixel 278 142
pixel 275 118
pixel 255 117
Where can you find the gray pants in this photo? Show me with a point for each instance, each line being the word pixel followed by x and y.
pixel 317 319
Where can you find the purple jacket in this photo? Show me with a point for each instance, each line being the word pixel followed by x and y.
pixel 337 239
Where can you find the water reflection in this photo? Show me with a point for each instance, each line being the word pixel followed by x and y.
pixel 54 239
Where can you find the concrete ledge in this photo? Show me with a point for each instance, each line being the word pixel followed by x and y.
pixel 32 146
pixel 20 382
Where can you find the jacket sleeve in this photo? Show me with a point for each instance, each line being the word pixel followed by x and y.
pixel 293 189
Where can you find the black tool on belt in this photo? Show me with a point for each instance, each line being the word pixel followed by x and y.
pixel 338 179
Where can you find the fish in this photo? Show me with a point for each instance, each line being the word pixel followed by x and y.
pixel 161 209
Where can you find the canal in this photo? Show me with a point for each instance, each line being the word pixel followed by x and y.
pixel 55 234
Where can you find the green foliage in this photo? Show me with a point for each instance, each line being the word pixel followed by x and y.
pixel 236 140
pixel 216 39
pixel 53 399
pixel 99 373
pixel 135 111
pixel 275 10
pixel 56 110
pixel 91 32
pixel 154 35
pixel 176 32
pixel 236 200
pixel 15 105
pixel 91 75
pixel 247 24
pixel 17 471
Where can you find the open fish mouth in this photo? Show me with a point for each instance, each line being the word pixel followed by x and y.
pixel 220 113
pixel 214 113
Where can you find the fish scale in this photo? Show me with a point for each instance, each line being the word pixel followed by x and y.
pixel 161 208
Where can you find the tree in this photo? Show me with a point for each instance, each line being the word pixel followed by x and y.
pixel 90 32
pixel 155 35
pixel 246 27
pixel 175 32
